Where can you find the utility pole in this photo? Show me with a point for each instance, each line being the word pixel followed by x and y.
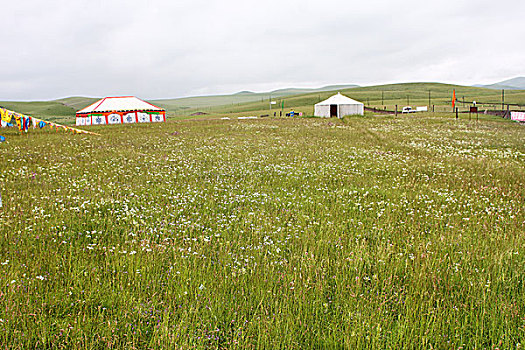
pixel 429 99
pixel 408 100
pixel 382 98
pixel 502 99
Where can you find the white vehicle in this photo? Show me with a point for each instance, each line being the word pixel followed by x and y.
pixel 408 109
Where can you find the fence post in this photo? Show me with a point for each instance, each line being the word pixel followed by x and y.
pixel 396 110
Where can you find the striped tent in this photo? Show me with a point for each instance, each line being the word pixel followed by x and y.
pixel 120 110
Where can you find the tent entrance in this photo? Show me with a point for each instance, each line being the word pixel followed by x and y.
pixel 333 111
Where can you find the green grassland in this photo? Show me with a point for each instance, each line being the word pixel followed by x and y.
pixel 60 111
pixel 63 110
pixel 303 100
pixel 77 103
pixel 181 105
pixel 278 233
pixel 383 96
pixel 49 110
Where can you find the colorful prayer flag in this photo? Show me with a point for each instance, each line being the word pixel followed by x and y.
pixel 24 121
pixel 6 116
pixel 27 121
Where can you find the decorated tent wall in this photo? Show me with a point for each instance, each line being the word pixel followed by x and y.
pixel 120 117
pixel 517 116
pixel 120 110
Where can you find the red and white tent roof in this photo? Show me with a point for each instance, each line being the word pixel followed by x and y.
pixel 123 103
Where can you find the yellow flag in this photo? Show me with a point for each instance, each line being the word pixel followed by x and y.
pixel 6 116
pixel 18 122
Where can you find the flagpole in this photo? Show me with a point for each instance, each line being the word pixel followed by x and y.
pixel 453 100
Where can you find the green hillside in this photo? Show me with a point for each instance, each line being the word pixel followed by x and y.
pixel 185 103
pixel 50 110
pixel 385 96
pixel 249 103
pixel 517 83
pixel 63 110
pixel 77 102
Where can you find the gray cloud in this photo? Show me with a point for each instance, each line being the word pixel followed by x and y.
pixel 162 48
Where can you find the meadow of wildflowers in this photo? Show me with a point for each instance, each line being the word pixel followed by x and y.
pixel 374 232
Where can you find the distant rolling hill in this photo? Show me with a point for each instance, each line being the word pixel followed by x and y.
pixel 64 109
pixel 382 96
pixel 246 102
pixel 78 102
pixel 239 98
pixel 509 84
pixel 296 91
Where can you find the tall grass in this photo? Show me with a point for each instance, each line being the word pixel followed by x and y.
pixel 374 232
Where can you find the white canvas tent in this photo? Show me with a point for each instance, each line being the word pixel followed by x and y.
pixel 338 106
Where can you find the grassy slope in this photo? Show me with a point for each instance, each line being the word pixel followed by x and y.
pixel 415 94
pixel 61 111
pixel 77 103
pixel 180 104
pixel 373 232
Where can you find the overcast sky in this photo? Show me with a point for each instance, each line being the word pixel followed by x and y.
pixel 165 49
